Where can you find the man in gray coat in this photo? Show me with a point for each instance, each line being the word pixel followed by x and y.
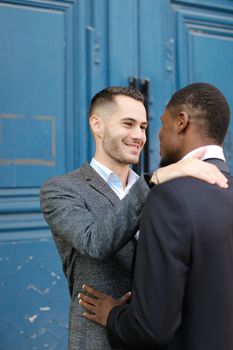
pixel 93 212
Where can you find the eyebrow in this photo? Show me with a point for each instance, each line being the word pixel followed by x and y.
pixel 133 120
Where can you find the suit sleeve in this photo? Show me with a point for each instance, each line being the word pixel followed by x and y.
pixel 162 263
pixel 99 237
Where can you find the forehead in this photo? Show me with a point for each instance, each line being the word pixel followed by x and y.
pixel 128 107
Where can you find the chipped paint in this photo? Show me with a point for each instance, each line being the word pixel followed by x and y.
pixel 53 274
pixel 34 336
pixel 31 286
pixel 30 258
pixel 32 318
pixel 45 308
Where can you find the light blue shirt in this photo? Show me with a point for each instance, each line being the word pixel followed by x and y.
pixel 113 180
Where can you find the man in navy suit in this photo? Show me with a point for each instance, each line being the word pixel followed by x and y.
pixel 182 291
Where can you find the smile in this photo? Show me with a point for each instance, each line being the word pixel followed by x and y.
pixel 133 146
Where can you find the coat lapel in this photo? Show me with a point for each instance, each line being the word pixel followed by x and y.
pixel 95 180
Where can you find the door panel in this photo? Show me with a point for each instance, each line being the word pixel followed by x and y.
pixel 205 52
pixel 189 41
pixel 36 142
pixel 32 95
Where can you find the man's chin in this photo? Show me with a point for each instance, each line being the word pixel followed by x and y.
pixel 128 160
pixel 134 161
pixel 133 158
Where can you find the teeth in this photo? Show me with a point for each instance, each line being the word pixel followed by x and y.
pixel 134 146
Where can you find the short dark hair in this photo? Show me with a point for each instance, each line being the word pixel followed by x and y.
pixel 107 96
pixel 209 106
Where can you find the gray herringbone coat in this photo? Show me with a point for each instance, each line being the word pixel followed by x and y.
pixel 94 234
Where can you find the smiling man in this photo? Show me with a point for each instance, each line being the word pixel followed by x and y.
pixel 182 290
pixel 94 211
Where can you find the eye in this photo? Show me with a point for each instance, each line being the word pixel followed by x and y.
pixel 143 127
pixel 129 124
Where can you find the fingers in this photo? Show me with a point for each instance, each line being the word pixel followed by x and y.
pixel 86 304
pixel 87 299
pixel 213 175
pixel 93 292
pixel 92 313
pixel 95 318
pixel 125 298
pixel 203 171
pixel 97 305
pixel 90 317
pixel 218 178
pixel 199 154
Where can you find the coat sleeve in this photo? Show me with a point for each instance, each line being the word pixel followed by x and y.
pixel 162 263
pixel 69 218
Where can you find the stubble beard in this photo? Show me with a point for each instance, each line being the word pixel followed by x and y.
pixel 164 162
pixel 167 160
pixel 112 148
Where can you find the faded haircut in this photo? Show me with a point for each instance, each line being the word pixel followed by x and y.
pixel 107 96
pixel 209 106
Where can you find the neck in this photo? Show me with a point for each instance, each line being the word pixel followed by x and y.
pixel 192 145
pixel 120 169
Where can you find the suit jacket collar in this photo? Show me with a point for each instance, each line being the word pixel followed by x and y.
pixel 220 164
pixel 97 182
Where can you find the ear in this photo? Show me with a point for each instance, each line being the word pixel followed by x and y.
pixel 182 121
pixel 97 125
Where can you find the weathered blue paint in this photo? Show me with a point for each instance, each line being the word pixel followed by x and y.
pixel 54 56
pixel 34 301
pixel 36 141
pixel 204 49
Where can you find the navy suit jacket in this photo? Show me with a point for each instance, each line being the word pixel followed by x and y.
pixel 182 292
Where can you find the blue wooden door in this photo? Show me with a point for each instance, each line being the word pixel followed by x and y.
pixel 204 49
pixel 183 42
pixel 36 117
pixel 54 55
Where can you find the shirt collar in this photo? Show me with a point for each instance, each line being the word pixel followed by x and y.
pixel 102 170
pixel 212 151
pixel 107 174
